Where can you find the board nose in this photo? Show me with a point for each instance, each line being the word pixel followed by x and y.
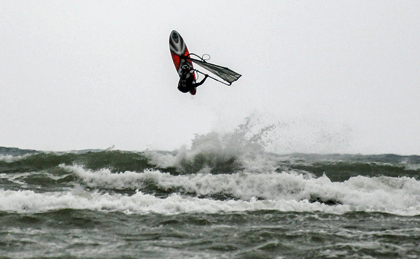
pixel 175 36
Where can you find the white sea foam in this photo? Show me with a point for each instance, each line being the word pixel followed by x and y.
pixel 77 198
pixel 29 201
pixel 284 191
pixel 16 178
pixel 10 158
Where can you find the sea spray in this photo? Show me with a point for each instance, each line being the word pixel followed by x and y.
pixel 215 152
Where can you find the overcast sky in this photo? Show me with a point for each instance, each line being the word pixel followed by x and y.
pixel 333 76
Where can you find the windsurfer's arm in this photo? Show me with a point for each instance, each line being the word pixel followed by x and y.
pixel 202 81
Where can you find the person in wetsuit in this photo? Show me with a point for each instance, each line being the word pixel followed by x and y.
pixel 187 83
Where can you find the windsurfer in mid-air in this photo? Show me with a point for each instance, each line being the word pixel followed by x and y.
pixel 187 82
pixel 184 66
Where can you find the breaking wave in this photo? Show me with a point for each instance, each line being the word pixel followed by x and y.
pixel 219 172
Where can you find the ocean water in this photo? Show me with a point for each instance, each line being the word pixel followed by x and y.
pixel 223 197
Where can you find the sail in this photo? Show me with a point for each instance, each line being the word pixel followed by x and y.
pixel 222 72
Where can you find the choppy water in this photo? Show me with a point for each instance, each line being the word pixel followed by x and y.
pixel 224 197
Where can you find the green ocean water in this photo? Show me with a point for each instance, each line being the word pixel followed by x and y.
pixel 208 201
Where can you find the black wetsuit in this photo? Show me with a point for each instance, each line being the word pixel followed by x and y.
pixel 186 83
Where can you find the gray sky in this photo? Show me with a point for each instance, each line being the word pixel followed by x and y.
pixel 333 76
